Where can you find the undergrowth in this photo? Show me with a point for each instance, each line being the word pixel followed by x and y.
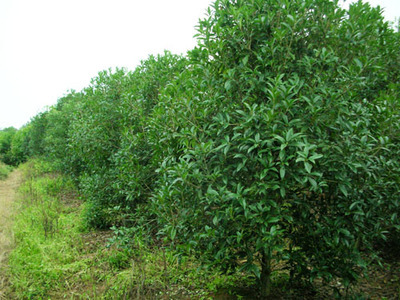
pixel 4 171
pixel 57 256
pixel 47 234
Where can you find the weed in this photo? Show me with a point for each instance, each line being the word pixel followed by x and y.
pixel 46 250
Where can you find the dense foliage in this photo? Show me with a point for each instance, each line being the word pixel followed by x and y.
pixel 275 140
pixel 6 137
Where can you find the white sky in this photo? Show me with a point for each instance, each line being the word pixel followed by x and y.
pixel 391 8
pixel 48 47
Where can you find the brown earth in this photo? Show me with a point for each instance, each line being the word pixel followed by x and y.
pixel 8 190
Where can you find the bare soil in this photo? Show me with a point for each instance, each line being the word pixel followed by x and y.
pixel 8 189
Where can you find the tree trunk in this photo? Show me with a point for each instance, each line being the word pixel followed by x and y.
pixel 265 278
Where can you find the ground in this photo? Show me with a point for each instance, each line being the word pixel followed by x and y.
pixel 8 190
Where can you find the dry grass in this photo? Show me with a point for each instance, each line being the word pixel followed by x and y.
pixel 8 190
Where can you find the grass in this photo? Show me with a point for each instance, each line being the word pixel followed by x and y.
pixel 47 235
pixel 56 256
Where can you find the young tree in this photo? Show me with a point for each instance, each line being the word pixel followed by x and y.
pixel 6 136
pixel 272 141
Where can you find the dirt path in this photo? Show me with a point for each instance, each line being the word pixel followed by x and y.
pixel 8 189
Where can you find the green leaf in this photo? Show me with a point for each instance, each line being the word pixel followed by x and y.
pixel 239 236
pixel 315 156
pixel 273 219
pixel 228 85
pixel 336 239
pixel 358 63
pixel 345 232
pixel 353 205
pixel 283 191
pixel 308 166
pixel 313 182
pixel 289 134
pixel 215 220
pixel 282 154
pixel 242 202
pixel 279 138
pixel 343 189
pixel 211 191
pixel 173 233
pixel 245 60
pixel 226 149
pixel 253 269
pixel 272 230
pixel 282 172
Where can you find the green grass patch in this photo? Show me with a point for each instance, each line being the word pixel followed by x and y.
pixel 47 235
pixel 160 274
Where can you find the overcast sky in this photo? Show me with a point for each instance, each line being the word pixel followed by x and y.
pixel 48 47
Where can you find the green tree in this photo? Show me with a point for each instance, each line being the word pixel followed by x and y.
pixel 19 151
pixel 108 137
pixel 6 136
pixel 273 147
pixel 57 134
pixel 135 162
pixel 38 126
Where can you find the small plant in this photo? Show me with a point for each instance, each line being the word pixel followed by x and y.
pixel 117 259
pixel 4 171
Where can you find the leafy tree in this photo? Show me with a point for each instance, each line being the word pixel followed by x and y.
pixel 272 143
pixel 56 140
pixel 135 162
pixel 93 135
pixel 6 136
pixel 37 130
pixel 19 151
pixel 108 137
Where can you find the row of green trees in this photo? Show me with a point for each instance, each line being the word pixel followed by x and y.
pixel 16 146
pixel 275 140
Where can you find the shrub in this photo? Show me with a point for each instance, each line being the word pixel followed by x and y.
pixel 4 171
pixel 274 143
